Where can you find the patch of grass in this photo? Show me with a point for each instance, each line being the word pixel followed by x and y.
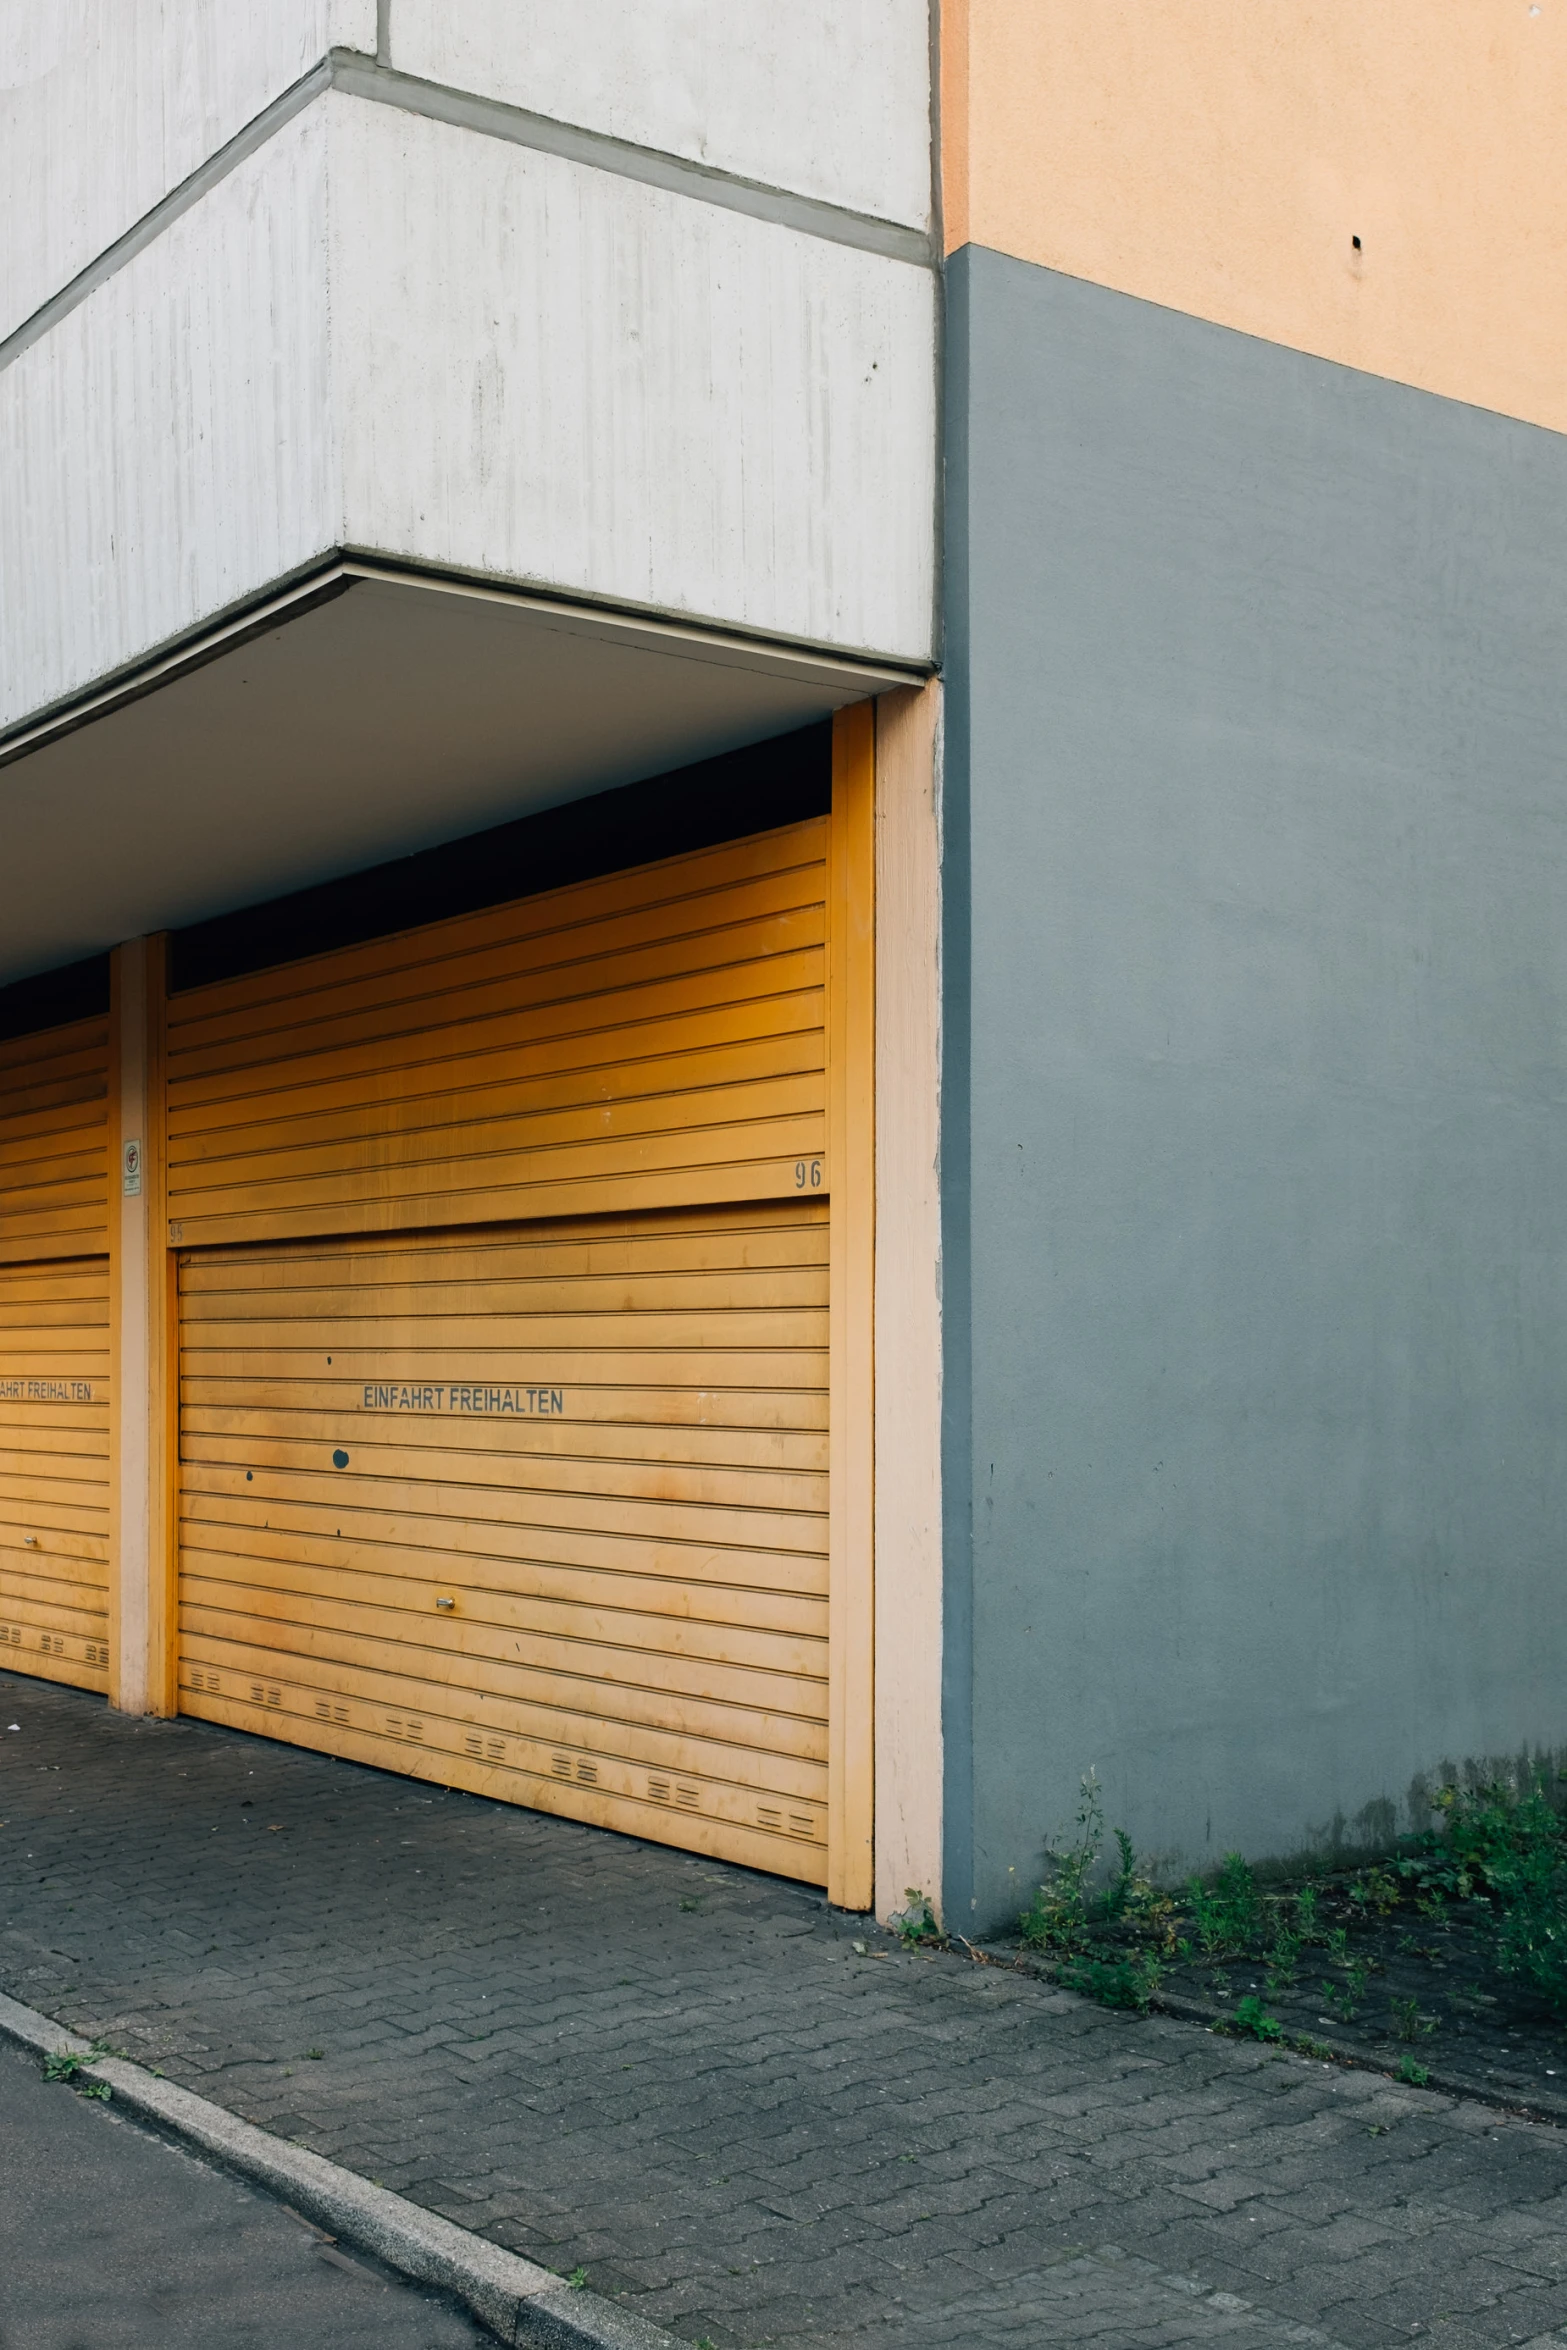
pixel 1079 1896
pixel 1228 1912
pixel 1128 1979
pixel 1509 1842
pixel 577 2279
pixel 1493 1866
pixel 1252 2022
pixel 1414 2076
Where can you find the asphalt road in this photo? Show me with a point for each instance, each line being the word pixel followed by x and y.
pixel 114 2239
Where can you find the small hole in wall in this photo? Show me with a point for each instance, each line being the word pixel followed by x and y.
pixel 1355 241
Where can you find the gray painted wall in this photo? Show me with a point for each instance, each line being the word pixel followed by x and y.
pixel 1255 1101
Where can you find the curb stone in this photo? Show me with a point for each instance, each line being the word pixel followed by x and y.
pixel 527 2307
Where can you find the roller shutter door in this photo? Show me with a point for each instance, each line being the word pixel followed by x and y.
pixel 54 1355
pixel 651 1040
pixel 537 1510
pixel 54 1470
pixel 503 1267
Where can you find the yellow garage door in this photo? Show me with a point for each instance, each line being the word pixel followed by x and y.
pixel 536 1510
pixel 54 1470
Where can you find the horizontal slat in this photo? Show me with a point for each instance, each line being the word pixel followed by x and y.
pixel 686 880
pixel 754 1373
pixel 773 1414
pixel 727 1780
pixel 703 1185
pixel 494 1336
pixel 752 979
pixel 779 954
pixel 331 1693
pixel 279 1560
pixel 586 1436
pixel 721 1714
pixel 574 1478
pixel 628 1293
pixel 54 1156
pixel 643 1519
pixel 73 1611
pixel 367 1532
pixel 611 1249
pixel 57 1452
pixel 72 1668
pixel 396 1160
pixel 30 1238
pixel 84 1280
pixel 514 1631
pixel 46 1574
pixel 639 1143
pixel 54 1472
pixel 447 1765
pixel 778 1032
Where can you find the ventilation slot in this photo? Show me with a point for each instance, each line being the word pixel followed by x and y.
pixel 52 1643
pixel 263 1694
pixel 326 1711
pixel 11 1632
pixel 96 1653
pixel 485 1749
pixel 801 1824
pixel 659 1790
pixel 208 1681
pixel 688 1798
pixel 560 1765
pixel 588 1773
pixel 769 1819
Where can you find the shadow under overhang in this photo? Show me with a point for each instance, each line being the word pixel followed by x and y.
pixel 359 715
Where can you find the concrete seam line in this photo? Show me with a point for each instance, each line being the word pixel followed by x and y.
pixel 526 2305
pixel 546 134
pixel 367 77
pixel 156 219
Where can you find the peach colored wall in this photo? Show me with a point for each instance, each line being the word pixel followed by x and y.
pixel 1218 156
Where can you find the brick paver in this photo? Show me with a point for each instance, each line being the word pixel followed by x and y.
pixel 682 2077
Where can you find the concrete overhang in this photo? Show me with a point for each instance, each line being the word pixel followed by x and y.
pixel 360 714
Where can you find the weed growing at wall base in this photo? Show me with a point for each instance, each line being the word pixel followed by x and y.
pixel 1485 1891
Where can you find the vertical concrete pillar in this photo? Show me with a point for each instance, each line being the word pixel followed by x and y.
pixel 141 1585
pixel 851 1163
pixel 909 1752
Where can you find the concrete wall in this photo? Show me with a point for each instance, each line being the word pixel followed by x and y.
pixel 107 105
pixel 1255 1082
pixel 168 446
pixel 550 373
pixel 411 338
pixel 829 101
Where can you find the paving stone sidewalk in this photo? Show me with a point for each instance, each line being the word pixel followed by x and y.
pixel 682 2077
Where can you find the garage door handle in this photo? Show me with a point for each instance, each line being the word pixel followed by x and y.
pixel 446 1603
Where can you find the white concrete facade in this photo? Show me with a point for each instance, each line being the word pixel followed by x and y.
pixel 108 105
pixel 431 340
pixel 827 99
